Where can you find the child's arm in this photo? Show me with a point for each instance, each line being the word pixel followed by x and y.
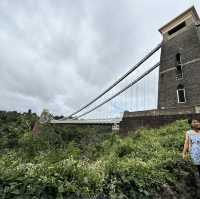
pixel 186 147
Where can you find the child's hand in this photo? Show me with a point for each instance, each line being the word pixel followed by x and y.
pixel 185 156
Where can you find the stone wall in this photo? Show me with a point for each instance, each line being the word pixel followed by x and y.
pixel 155 118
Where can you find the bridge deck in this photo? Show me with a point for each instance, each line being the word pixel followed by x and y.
pixel 88 121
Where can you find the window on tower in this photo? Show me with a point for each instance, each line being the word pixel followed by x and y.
pixel 177 28
pixel 181 94
pixel 179 69
pixel 178 58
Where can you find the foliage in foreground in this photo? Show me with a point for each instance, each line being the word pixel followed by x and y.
pixel 87 162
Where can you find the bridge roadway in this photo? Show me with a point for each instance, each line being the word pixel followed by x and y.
pixel 87 121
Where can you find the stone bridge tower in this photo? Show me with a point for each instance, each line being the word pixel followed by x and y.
pixel 179 73
pixel 179 76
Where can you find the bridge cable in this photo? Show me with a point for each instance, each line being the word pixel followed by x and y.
pixel 121 91
pixel 120 79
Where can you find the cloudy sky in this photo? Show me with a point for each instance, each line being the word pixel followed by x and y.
pixel 60 54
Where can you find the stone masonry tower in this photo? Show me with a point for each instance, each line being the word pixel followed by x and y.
pixel 179 74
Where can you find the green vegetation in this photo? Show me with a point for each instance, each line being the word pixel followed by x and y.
pixel 73 162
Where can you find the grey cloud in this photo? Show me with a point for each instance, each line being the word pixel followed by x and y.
pixel 60 54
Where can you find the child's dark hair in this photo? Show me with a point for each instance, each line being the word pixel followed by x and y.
pixel 190 120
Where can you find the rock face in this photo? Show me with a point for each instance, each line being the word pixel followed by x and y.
pixel 45 117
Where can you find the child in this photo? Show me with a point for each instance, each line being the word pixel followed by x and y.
pixel 192 143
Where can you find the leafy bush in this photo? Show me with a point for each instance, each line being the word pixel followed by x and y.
pixel 74 162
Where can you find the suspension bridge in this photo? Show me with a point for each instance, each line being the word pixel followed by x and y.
pixel 122 98
pixel 157 89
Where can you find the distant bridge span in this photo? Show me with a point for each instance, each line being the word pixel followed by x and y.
pixel 88 121
pixel 114 122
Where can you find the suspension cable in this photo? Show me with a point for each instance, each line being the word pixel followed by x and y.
pixel 119 80
pixel 121 91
